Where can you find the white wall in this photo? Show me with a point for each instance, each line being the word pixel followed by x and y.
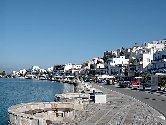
pixel 72 66
pixel 68 67
pixel 35 68
pixel 146 60
pixel 117 61
pixel 160 64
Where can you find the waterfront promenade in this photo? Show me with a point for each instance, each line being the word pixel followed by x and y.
pixel 120 109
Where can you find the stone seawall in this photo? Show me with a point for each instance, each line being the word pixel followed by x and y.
pixel 40 113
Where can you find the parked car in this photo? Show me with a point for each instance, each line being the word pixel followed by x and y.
pixel 135 84
pixel 164 90
pixel 124 84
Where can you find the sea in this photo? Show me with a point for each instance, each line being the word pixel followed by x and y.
pixel 18 90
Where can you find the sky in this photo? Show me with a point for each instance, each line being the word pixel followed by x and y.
pixel 48 32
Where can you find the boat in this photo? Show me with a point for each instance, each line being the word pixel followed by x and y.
pixel 42 77
pixel 30 76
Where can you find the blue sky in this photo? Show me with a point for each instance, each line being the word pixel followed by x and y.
pixel 48 32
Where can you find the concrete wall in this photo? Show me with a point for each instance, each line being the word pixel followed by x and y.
pixel 74 95
pixel 79 99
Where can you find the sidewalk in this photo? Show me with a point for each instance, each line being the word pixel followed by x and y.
pixel 119 110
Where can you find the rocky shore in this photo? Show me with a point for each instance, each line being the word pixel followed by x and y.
pixel 119 110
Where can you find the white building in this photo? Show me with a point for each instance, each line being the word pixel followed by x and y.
pixel 117 61
pixel 144 54
pixel 72 67
pixel 68 67
pixel 43 71
pixel 98 62
pixel 143 61
pixel 88 64
pixel 154 44
pixel 77 66
pixel 159 61
pixel 20 73
pixel 50 69
pixel 154 47
pixel 116 66
pixel 23 71
pixel 35 68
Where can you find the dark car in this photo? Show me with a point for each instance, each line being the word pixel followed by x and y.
pixel 124 84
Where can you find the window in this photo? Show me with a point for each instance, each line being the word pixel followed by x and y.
pixel 163 56
pixel 148 60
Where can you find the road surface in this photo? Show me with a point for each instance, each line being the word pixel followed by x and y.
pixel 155 100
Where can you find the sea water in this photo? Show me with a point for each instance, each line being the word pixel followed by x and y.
pixel 15 90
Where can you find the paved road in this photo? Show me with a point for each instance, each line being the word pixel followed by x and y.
pixel 157 101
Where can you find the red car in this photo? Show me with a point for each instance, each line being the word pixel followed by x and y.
pixel 135 84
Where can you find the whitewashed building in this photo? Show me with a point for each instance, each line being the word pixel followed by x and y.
pixel 50 69
pixel 159 61
pixel 98 62
pixel 20 73
pixel 35 69
pixel 68 67
pixel 143 56
pixel 43 71
pixel 118 61
pixel 116 66
pixel 72 67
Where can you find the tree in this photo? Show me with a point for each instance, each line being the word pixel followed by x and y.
pixel 163 81
pixel 145 78
pixel 126 71
pixel 132 61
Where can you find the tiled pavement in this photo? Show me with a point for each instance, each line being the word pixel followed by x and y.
pixel 119 110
